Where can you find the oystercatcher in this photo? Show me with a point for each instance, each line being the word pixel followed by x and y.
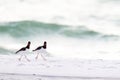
pixel 23 51
pixel 40 50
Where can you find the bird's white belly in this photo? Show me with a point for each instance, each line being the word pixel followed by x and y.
pixel 41 51
pixel 24 52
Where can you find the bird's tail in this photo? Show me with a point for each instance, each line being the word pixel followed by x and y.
pixel 33 50
pixel 16 52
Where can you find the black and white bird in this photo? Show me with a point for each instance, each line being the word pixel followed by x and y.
pixel 23 51
pixel 41 50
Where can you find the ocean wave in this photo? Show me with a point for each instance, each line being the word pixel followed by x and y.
pixel 34 28
pixel 6 51
pixel 28 28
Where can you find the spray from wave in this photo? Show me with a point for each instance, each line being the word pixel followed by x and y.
pixel 99 15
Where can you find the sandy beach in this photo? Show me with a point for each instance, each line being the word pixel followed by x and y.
pixel 55 68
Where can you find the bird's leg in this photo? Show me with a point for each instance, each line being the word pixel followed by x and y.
pixel 43 57
pixel 27 58
pixel 20 58
pixel 37 56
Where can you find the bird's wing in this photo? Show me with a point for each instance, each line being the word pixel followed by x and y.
pixel 22 49
pixel 38 48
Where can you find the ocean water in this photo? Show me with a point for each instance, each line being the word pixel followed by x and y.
pixel 72 28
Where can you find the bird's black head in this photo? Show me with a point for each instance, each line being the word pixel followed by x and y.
pixel 45 45
pixel 45 42
pixel 28 45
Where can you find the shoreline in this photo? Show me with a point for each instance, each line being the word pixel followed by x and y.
pixel 59 77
